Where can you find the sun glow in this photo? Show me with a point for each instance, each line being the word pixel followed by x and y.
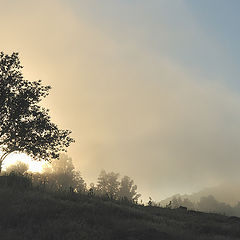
pixel 34 166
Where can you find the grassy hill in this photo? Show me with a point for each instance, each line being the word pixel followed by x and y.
pixel 31 213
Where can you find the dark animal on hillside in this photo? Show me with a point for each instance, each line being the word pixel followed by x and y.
pixel 194 212
pixel 182 208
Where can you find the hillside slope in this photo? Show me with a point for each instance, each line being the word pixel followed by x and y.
pixel 40 215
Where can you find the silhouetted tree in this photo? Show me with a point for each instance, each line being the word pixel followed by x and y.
pixel 61 175
pixel 188 204
pixel 128 190
pixel 108 184
pixel 210 204
pixel 25 126
pixel 207 204
pixel 18 167
pixel 63 165
pixel 176 202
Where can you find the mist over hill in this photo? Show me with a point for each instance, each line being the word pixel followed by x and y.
pixel 228 193
pixel 223 199
pixel 39 213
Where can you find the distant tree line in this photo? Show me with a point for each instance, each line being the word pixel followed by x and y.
pixel 61 175
pixel 111 187
pixel 205 204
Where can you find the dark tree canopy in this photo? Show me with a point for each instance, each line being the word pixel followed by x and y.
pixel 25 126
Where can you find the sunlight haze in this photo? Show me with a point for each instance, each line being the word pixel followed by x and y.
pixel 34 166
pixel 150 89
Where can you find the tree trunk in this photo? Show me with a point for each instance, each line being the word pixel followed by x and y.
pixel 4 155
pixel 0 167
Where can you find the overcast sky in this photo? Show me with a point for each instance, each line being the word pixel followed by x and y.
pixel 150 89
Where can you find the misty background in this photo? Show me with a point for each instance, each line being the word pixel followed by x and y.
pixel 149 89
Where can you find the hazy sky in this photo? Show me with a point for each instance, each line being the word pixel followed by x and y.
pixel 150 89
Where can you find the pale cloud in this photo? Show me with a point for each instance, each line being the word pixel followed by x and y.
pixel 131 110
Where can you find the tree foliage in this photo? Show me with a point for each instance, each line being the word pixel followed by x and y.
pixel 109 185
pixel 128 190
pixel 18 167
pixel 64 175
pixel 25 126
pixel 60 174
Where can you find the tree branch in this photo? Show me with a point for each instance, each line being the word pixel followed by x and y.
pixel 2 158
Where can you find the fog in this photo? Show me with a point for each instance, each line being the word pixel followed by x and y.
pixel 133 105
